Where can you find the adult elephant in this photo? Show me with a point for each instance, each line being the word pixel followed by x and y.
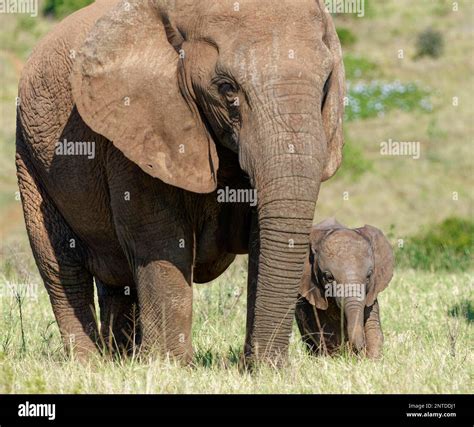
pixel 179 99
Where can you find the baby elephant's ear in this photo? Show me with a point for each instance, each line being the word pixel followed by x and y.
pixel 310 289
pixel 383 262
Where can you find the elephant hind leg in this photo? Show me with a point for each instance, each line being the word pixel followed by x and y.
pixel 120 328
pixel 61 262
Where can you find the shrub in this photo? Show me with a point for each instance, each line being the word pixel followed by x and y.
pixel 446 246
pixel 429 43
pixel 62 8
pixel 346 36
pixel 463 309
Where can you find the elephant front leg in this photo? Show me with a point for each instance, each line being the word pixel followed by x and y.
pixel 165 300
pixel 61 261
pixel 120 329
pixel 373 331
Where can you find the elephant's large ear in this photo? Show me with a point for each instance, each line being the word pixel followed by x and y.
pixel 333 107
pixel 383 261
pixel 125 86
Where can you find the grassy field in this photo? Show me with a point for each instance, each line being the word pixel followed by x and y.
pixel 427 313
pixel 428 348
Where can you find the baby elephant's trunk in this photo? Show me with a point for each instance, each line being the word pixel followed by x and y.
pixel 354 314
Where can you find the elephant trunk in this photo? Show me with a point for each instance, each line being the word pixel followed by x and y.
pixel 287 187
pixel 354 314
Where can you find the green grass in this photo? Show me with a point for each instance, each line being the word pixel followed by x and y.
pixel 428 337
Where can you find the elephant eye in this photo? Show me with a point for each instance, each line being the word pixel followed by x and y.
pixel 369 273
pixel 328 276
pixel 227 89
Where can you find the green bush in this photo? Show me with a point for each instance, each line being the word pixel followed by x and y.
pixel 62 8
pixel 447 246
pixel 346 36
pixel 360 68
pixel 429 43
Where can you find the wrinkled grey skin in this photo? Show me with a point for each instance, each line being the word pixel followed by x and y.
pixel 181 98
pixel 360 262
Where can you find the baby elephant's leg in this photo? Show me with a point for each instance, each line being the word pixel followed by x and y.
pixel 373 331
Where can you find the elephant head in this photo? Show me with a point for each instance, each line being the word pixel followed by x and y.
pixel 350 265
pixel 169 82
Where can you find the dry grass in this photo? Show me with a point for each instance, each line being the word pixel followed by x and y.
pixel 427 347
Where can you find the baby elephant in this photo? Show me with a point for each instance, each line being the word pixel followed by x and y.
pixel 346 270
